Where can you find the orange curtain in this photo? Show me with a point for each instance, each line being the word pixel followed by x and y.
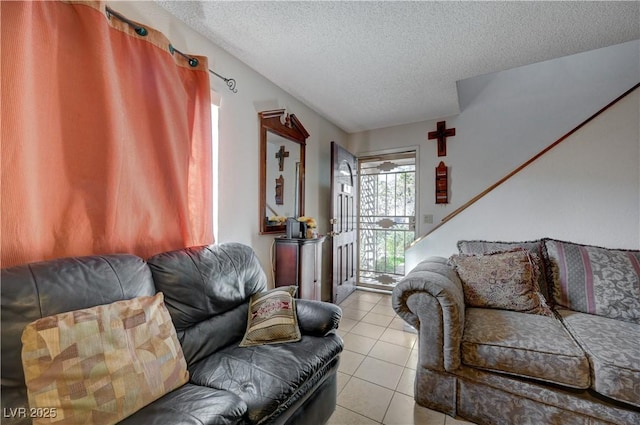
pixel 106 137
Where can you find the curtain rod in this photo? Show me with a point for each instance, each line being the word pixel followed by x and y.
pixel 142 31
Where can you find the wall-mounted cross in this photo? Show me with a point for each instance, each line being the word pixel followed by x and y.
pixel 281 155
pixel 441 134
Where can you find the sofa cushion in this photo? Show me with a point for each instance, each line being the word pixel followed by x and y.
pixel 32 291
pixel 594 280
pixel 526 345
pixel 504 280
pixel 201 282
pixel 211 335
pixel 191 405
pixel 487 247
pixel 101 364
pixel 614 351
pixel 269 378
pixel 272 318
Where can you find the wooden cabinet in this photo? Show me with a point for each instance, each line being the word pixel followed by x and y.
pixel 299 262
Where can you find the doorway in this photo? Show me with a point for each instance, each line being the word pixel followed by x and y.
pixel 386 218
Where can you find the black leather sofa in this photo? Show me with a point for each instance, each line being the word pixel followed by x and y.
pixel 206 290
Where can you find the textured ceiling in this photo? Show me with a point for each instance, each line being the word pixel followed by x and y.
pixel 366 65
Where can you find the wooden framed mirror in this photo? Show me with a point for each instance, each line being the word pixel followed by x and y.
pixel 282 156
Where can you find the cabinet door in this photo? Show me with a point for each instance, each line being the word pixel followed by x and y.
pixel 307 288
pixel 286 264
pixel 318 272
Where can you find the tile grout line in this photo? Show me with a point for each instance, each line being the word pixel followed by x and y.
pixel 393 395
pixel 393 391
pixel 359 414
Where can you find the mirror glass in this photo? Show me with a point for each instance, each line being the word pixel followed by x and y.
pixel 283 171
pixel 282 146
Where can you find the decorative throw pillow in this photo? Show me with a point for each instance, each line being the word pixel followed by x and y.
pixel 478 247
pixel 102 364
pixel 594 280
pixel 503 280
pixel 272 318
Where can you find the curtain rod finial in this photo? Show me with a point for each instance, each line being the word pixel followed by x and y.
pixel 231 83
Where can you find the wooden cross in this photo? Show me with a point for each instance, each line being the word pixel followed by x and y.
pixel 441 134
pixel 281 155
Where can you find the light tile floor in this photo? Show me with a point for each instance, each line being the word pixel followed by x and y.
pixel 377 367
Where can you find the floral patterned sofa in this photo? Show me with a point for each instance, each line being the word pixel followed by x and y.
pixel 493 352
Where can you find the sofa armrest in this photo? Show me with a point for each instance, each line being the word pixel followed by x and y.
pixel 317 318
pixel 430 298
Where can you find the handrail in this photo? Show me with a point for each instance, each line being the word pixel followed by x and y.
pixel 521 167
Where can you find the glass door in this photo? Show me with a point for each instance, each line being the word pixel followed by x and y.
pixel 387 214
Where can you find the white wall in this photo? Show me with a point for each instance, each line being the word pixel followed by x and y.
pixel 506 118
pixel 239 136
pixel 586 190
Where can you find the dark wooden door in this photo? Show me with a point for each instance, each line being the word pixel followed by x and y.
pixel 344 232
